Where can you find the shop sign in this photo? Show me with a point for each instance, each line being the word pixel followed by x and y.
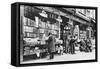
pixel 82 16
pixel 78 20
pixel 43 14
pixel 59 19
pixel 76 30
pixel 70 22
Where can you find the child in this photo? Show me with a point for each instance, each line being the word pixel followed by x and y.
pixel 61 49
pixel 37 52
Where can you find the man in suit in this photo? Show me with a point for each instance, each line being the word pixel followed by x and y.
pixel 72 45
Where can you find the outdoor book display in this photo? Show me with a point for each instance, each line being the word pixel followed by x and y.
pixel 40 31
pixel 35 32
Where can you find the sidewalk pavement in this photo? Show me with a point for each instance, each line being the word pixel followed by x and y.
pixel 66 57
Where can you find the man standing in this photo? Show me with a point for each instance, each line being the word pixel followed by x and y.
pixel 67 45
pixel 72 46
pixel 51 45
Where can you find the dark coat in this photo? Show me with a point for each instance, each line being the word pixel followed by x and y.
pixel 72 46
pixel 51 44
pixel 71 42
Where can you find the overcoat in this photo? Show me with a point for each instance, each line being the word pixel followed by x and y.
pixel 51 44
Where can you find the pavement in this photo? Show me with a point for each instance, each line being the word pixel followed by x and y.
pixel 66 57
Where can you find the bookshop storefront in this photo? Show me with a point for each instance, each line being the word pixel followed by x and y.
pixel 37 23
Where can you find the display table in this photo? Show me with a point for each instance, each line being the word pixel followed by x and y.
pixel 31 52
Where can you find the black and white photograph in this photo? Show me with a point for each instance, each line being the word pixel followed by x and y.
pixel 54 34
pixel 45 34
pixel 49 34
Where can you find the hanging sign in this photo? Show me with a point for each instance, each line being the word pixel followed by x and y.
pixel 43 14
pixel 59 19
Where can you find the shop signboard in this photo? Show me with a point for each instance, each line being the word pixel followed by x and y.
pixel 43 14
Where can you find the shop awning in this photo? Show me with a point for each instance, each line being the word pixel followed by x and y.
pixel 82 16
pixel 31 12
